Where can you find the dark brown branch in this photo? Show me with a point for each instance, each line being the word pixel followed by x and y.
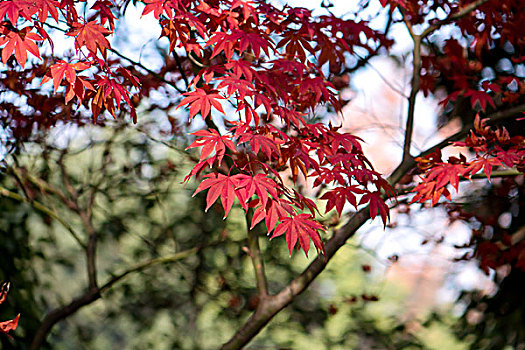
pixel 91 250
pixel 416 67
pixel 155 74
pixel 275 303
pixel 60 313
pixel 405 166
pixel 416 71
pixel 181 69
pixel 461 13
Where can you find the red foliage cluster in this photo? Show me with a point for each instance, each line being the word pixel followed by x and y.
pixel 270 64
pixel 274 67
pixel 492 148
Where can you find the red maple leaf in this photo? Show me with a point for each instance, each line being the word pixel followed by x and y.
pixel 376 205
pixel 302 228
pixel 62 70
pixel 295 44
pixel 10 325
pixel 11 9
pixel 219 185
pixel 201 100
pixel 211 140
pixel 480 97
pixel 19 42
pixel 485 163
pixel 45 7
pixel 91 35
pixel 267 145
pixel 338 197
pixel 241 68
pixel 260 184
pixel 104 11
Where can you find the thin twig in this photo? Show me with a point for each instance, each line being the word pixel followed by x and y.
pixel 461 13
pixel 155 74
pixel 181 70
pixel 416 71
pixel 41 207
pixel 91 250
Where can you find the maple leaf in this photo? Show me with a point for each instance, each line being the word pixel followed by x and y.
pixel 302 228
pixel 241 68
pixel 267 145
pixel 295 44
pixel 317 86
pixel 176 30
pixel 104 9
pixel 338 197
pixel 485 163
pixel 211 140
pixel 158 7
pixel 219 185
pixel 10 325
pixel 11 9
pixel 260 184
pixel 480 97
pixel 91 35
pixel 45 7
pixel 19 42
pixel 61 70
pixel 240 87
pixel 376 205
pixel 274 212
pixel 201 101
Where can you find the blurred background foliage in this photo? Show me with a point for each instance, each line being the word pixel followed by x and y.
pixel 131 176
pixel 142 213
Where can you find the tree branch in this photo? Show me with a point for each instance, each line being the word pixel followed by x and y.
pixel 155 74
pixel 416 67
pixel 416 71
pixel 60 313
pixel 275 303
pixel 91 250
pixel 181 69
pixel 461 13
pixel 41 207
pixel 408 164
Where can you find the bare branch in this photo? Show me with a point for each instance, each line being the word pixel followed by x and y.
pixel 60 313
pixel 461 13
pixel 408 164
pixel 91 249
pixel 416 67
pixel 155 74
pixel 41 207
pixel 275 303
pixel 181 70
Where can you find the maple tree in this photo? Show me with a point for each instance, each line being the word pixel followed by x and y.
pixel 257 75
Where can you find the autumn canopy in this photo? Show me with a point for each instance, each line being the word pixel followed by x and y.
pixel 255 82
